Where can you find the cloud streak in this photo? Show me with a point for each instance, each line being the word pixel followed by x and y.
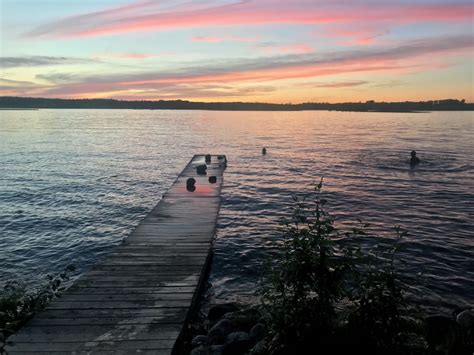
pixel 275 48
pixel 36 61
pixel 152 16
pixel 407 56
pixel 338 85
pixel 126 56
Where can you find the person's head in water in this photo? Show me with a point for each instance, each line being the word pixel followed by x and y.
pixel 414 159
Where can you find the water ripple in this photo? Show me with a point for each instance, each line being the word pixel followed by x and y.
pixel 74 183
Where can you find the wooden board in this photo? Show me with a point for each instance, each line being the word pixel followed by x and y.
pixel 137 298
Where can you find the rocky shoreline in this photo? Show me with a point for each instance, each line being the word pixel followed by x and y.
pixel 232 329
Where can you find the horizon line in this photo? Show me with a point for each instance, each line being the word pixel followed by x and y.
pixel 370 101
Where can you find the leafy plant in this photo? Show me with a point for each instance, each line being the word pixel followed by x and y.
pixel 18 303
pixel 307 280
pixel 378 298
pixel 324 287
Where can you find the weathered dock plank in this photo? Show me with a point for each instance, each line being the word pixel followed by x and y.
pixel 138 297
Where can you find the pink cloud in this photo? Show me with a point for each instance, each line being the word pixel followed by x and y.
pixel 182 84
pixel 411 56
pixel 138 56
pixel 132 56
pixel 356 34
pixel 146 16
pixel 206 39
pixel 272 48
pixel 214 39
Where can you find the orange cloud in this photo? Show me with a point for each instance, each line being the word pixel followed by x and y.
pixel 407 57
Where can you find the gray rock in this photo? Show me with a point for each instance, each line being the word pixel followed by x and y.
pixel 199 340
pixel 216 312
pixel 217 350
pixel 202 350
pixel 237 343
pixel 257 332
pixel 441 332
pixel 415 341
pixel 259 348
pixel 237 337
pixel 243 320
pixel 466 318
pixel 218 332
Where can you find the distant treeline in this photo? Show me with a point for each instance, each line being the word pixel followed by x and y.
pixel 407 106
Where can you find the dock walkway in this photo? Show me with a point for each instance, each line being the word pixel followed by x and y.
pixel 138 297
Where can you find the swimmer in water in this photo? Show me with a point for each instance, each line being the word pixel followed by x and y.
pixel 414 159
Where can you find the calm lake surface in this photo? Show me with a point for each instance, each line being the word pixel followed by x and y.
pixel 74 183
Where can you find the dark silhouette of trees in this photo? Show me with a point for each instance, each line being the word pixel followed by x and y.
pixel 368 106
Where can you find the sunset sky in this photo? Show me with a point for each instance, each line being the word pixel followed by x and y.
pixel 261 50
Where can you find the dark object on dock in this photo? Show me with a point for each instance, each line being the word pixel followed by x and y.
pixel 212 179
pixel 264 151
pixel 222 160
pixel 190 184
pixel 414 159
pixel 208 158
pixel 201 169
pixel 137 298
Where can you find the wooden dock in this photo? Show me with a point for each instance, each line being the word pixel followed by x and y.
pixel 138 297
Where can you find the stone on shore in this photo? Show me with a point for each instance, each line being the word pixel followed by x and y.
pixel 237 343
pixel 243 320
pixel 259 348
pixel 466 318
pixel 217 350
pixel 199 340
pixel 441 332
pixel 217 334
pixel 218 311
pixel 257 332
pixel 201 350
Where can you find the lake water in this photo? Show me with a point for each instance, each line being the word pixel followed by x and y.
pixel 74 183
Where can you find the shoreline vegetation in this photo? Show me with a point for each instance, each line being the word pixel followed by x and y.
pixel 20 302
pixel 15 103
pixel 332 291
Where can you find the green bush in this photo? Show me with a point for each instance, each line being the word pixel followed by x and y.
pixel 324 288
